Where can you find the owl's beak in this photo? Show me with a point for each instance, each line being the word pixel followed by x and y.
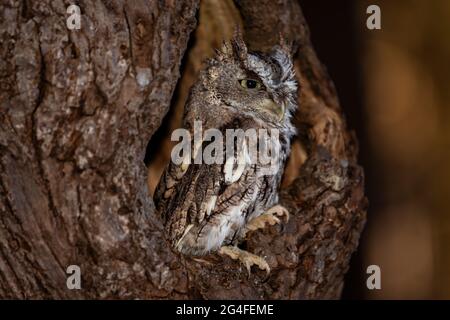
pixel 274 108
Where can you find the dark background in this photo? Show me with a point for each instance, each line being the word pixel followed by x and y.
pixel 393 85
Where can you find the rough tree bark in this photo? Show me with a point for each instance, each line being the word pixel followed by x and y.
pixel 77 109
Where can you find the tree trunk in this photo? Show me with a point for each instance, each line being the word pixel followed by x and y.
pixel 77 110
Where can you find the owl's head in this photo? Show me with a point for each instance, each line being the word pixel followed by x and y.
pixel 259 84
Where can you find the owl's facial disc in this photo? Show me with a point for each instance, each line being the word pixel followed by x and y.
pixel 266 104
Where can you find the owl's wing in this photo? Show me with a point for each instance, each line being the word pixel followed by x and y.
pixel 193 195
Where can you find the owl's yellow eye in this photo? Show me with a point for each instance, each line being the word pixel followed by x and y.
pixel 250 84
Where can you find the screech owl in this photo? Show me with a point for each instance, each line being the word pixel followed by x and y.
pixel 202 208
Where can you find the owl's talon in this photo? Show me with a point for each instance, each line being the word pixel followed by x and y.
pixel 280 211
pixel 269 217
pixel 246 258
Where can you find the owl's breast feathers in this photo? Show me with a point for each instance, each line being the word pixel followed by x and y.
pixel 202 208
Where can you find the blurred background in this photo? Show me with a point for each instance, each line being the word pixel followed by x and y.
pixel 394 86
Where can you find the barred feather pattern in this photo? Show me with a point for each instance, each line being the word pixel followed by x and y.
pixel 205 206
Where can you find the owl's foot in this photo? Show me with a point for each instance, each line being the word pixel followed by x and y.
pixel 246 258
pixel 269 217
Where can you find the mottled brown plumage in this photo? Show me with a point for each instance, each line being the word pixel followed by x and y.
pixel 202 210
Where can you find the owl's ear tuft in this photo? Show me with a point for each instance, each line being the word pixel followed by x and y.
pixel 238 45
pixel 233 49
pixel 226 51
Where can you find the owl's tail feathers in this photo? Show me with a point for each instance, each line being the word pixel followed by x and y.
pixel 246 258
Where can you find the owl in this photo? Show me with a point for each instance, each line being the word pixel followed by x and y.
pixel 208 208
